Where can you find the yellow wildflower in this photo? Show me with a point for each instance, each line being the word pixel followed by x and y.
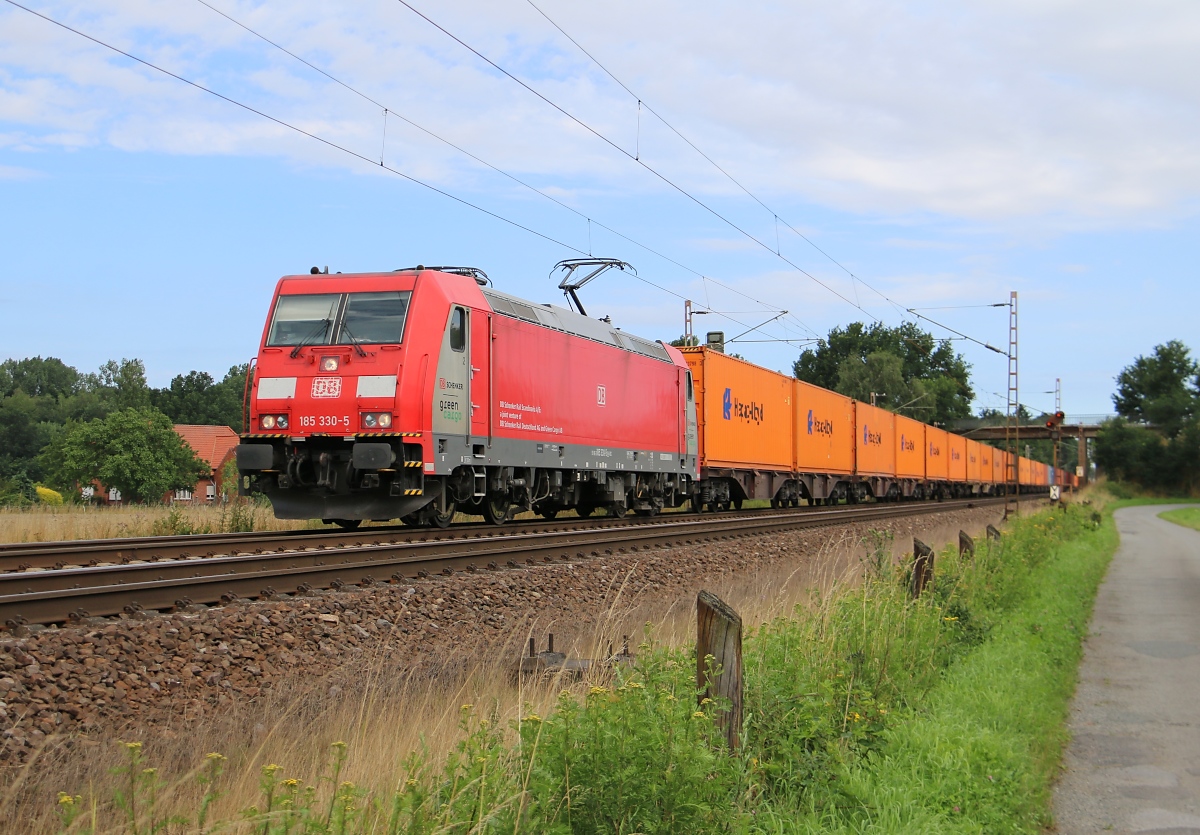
pixel 699 714
pixel 65 799
pixel 533 717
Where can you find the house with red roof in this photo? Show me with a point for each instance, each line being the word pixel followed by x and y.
pixel 215 446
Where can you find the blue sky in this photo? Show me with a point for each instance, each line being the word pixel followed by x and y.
pixel 943 157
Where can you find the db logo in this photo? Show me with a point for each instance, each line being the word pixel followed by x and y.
pixel 601 396
pixel 441 382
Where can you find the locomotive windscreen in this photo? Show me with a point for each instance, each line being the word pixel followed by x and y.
pixel 339 318
pixel 374 318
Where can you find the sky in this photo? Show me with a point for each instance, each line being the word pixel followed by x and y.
pixel 840 161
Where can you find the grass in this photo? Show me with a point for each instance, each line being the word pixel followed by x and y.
pixel 865 712
pixel 55 523
pixel 1189 517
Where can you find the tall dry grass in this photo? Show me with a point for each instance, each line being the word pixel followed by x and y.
pixel 47 523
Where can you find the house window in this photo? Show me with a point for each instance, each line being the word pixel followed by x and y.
pixel 114 495
pixel 210 492
pixel 88 492
pixel 183 495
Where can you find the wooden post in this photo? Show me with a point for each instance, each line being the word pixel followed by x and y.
pixel 719 644
pixel 966 545
pixel 922 570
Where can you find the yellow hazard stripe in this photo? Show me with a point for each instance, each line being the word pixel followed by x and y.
pixel 416 492
pixel 412 463
pixel 249 436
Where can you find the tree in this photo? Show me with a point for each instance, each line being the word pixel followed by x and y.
pixel 136 451
pixel 121 385
pixel 1162 389
pixel 880 374
pixel 198 399
pixel 944 376
pixel 38 377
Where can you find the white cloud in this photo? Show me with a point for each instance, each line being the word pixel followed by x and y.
pixel 13 172
pixel 1080 112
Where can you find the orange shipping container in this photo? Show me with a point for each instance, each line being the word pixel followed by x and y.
pixel 957 469
pixel 975 462
pixel 986 474
pixel 937 453
pixel 874 440
pixel 824 430
pixel 910 448
pixel 743 412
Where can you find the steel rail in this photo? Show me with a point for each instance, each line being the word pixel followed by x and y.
pixel 63 595
pixel 24 556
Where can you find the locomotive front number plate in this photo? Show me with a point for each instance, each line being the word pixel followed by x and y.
pixel 325 387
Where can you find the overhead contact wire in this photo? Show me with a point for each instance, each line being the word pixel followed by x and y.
pixel 289 126
pixel 711 161
pixel 390 112
pixel 666 180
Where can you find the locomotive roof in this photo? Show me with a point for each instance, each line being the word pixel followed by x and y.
pixel 568 321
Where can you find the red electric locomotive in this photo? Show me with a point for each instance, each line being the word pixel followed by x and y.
pixel 421 392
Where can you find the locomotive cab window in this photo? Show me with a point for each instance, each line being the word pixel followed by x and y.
pixel 374 318
pixel 458 330
pixel 304 320
pixel 689 387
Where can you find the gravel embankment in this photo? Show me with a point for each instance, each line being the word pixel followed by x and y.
pixel 103 678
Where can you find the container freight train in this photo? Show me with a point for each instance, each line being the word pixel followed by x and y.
pixel 423 392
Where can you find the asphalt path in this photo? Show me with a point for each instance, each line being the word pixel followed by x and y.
pixel 1133 764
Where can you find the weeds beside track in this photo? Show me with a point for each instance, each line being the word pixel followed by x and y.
pixel 867 712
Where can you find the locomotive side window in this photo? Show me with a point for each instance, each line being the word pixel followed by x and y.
pixel 458 330
pixel 689 387
pixel 304 320
pixel 374 318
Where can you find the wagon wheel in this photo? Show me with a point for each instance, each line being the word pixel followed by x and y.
pixel 441 520
pixel 737 504
pixel 616 511
pixel 344 524
pixel 775 503
pixel 548 513
pixel 495 508
pixel 584 510
pixel 413 520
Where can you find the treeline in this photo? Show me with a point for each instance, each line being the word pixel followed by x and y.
pixel 1155 441
pixel 52 414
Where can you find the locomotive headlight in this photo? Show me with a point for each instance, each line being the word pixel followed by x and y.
pixel 377 420
pixel 329 363
pixel 267 421
pixel 282 422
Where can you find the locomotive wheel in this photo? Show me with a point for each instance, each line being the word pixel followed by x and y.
pixel 549 513
pixel 344 524
pixel 584 510
pixel 616 511
pixel 495 509
pixel 441 520
pixel 413 520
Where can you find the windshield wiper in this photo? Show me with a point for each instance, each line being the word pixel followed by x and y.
pixel 354 340
pixel 320 330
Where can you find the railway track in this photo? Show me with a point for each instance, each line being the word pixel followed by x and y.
pixel 157 573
